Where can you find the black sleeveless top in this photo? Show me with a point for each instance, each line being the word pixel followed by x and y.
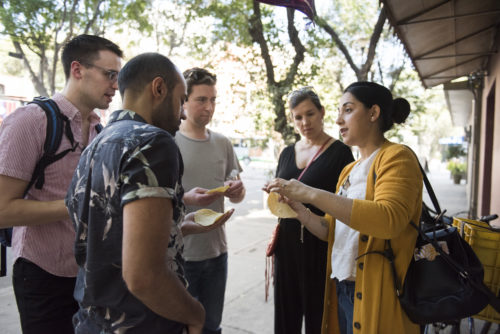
pixel 323 173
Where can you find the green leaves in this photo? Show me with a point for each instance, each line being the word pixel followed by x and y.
pixel 275 49
pixel 39 28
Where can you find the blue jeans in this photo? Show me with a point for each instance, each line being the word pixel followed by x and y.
pixel 345 296
pixel 207 283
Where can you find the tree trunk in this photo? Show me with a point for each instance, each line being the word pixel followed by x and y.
pixel 39 86
pixel 279 89
pixel 362 71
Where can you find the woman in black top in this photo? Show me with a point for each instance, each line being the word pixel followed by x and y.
pixel 300 257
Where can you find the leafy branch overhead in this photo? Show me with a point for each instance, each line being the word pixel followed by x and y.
pixel 342 44
pixel 363 70
pixel 39 28
pixel 264 32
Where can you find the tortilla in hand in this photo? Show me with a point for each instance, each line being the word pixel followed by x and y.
pixel 217 190
pixel 206 217
pixel 279 209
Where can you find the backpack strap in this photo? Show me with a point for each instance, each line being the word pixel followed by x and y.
pixel 57 124
pixel 98 128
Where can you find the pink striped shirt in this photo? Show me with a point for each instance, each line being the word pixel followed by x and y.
pixel 22 135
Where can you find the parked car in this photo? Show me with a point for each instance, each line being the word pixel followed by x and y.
pixel 242 150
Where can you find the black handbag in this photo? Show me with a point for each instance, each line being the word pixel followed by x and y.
pixel 444 281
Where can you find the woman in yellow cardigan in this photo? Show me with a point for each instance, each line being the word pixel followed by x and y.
pixel 377 197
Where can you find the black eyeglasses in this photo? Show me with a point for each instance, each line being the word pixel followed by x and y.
pixel 112 75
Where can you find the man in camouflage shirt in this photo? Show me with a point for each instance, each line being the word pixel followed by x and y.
pixel 125 201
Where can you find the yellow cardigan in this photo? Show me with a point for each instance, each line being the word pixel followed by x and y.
pixel 393 199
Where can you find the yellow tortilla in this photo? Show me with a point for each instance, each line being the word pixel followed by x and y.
pixel 206 217
pixel 217 190
pixel 279 209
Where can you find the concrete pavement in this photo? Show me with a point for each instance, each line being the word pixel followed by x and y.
pixel 249 231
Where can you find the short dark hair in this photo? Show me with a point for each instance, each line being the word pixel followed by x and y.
pixel 85 48
pixel 298 96
pixel 371 93
pixel 142 69
pixel 198 76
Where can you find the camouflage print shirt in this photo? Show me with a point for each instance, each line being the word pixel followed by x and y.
pixel 127 161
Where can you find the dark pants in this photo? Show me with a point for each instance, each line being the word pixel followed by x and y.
pixel 299 280
pixel 45 302
pixel 207 283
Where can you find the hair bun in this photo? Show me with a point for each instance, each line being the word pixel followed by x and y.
pixel 401 110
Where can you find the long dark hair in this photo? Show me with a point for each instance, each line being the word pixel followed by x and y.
pixel 391 110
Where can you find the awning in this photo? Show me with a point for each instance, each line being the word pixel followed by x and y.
pixel 446 39
pixel 459 99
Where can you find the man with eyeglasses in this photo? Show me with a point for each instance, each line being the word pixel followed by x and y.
pixel 43 238
pixel 209 162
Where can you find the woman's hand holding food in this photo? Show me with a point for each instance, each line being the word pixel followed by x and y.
pixel 292 189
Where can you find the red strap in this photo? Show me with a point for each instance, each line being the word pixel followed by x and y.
pixel 310 162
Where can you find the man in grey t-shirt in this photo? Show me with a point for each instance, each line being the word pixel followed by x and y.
pixel 209 162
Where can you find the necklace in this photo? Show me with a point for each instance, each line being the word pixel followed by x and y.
pixel 347 183
pixel 300 176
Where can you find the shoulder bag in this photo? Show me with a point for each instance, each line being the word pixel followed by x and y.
pixel 444 281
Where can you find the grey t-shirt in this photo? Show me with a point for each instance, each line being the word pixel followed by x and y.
pixel 207 164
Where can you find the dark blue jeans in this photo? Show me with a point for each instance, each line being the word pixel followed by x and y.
pixel 345 296
pixel 45 302
pixel 207 283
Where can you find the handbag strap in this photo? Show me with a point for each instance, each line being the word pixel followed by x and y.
pixel 493 300
pixel 446 257
pixel 388 253
pixel 314 157
pixel 427 184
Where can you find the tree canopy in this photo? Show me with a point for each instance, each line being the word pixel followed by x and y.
pixel 280 49
pixel 39 28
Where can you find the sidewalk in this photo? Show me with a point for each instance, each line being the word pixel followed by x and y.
pixel 245 310
pixel 452 197
pixel 248 233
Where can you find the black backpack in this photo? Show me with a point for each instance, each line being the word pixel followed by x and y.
pixel 57 124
